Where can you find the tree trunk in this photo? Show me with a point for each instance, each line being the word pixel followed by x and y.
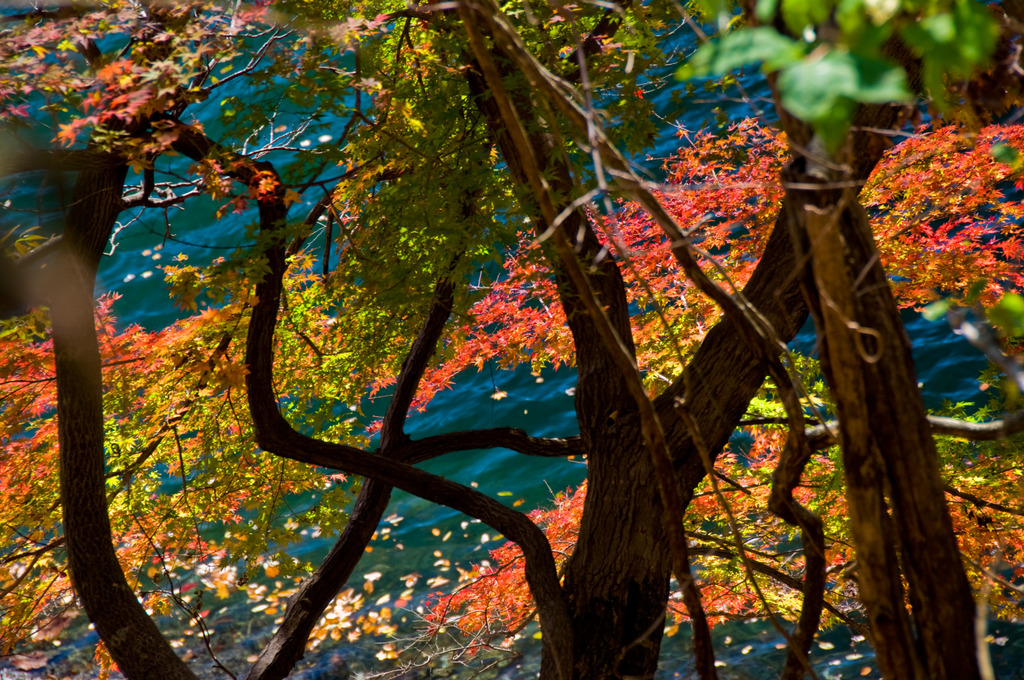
pixel 131 637
pixel 892 469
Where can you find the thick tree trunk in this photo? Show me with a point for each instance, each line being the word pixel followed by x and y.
pixel 891 464
pixel 131 637
pixel 617 578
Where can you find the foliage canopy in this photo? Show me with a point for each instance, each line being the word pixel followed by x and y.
pixel 467 203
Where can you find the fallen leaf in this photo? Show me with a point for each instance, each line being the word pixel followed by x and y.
pixel 29 662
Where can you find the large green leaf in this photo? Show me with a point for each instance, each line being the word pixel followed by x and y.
pixel 800 14
pixel 824 90
pixel 952 43
pixel 745 46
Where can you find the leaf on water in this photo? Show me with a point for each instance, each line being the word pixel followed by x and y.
pixel 28 662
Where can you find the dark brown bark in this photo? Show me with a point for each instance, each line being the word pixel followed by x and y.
pixel 617 581
pixel 889 455
pixel 131 637
pixel 288 644
pixel 274 434
pixel 617 578
pixel 794 458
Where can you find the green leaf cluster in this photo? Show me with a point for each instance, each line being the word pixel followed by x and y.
pixel 831 56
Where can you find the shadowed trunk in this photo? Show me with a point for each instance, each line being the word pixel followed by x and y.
pixel 131 637
pixel 894 489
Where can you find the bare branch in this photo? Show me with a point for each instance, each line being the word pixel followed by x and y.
pixel 982 503
pixel 981 336
pixel 823 436
pixel 782 577
pixel 510 438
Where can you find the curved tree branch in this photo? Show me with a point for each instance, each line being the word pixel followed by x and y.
pixel 393 429
pixel 595 305
pixel 275 435
pixel 288 644
pixel 795 455
pixel 782 577
pixel 514 439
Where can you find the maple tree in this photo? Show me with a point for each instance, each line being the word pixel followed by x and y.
pixel 468 205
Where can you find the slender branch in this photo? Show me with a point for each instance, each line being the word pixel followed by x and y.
pixel 316 592
pixel 254 61
pixel 982 503
pixel 824 436
pixel 792 461
pixel 411 373
pixel 510 438
pixel 275 435
pixel 44 249
pixel 779 576
pixel 1011 424
pixel 605 28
